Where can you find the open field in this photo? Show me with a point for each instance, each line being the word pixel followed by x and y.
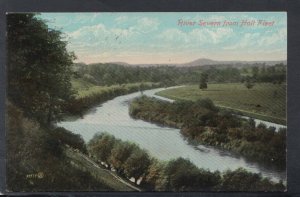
pixel 86 89
pixel 264 101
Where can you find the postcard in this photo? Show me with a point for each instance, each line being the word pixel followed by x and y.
pixel 146 101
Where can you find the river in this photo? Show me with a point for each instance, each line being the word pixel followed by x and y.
pixel 164 143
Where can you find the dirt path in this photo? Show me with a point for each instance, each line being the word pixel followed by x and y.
pixel 113 174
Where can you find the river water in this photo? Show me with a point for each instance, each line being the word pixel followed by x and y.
pixel 164 143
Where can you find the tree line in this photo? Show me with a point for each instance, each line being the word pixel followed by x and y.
pixel 203 122
pixel 78 105
pixel 129 160
pixel 109 74
pixel 39 68
pixel 39 73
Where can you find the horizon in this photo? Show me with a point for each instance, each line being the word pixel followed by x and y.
pixel 172 38
pixel 119 62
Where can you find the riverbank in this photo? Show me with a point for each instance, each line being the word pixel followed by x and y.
pixel 202 122
pixel 175 175
pixel 37 160
pixel 264 101
pixel 163 143
pixel 89 96
pixel 105 176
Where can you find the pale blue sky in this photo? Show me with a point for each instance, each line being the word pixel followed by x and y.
pixel 157 37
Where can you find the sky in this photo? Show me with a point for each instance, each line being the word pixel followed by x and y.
pixel 173 37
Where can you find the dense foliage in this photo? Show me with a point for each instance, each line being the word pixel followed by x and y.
pixel 36 159
pixel 176 175
pixel 109 73
pixel 202 122
pixel 127 158
pixel 39 85
pixel 67 137
pixel 272 74
pixel 96 95
pixel 38 67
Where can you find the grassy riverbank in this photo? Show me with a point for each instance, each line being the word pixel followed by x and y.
pixel 37 149
pixel 201 121
pixel 89 95
pixel 264 101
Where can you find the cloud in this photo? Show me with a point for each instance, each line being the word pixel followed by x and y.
pixel 129 37
pixel 99 36
pixel 173 34
pixel 219 34
pixel 249 39
pixel 260 40
pixel 196 36
pixel 88 32
pixel 270 39
pixel 146 25
pixel 100 31
pixel 121 19
pixel 209 18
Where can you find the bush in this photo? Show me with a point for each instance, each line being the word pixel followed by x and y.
pixel 202 122
pixel 241 180
pixel 67 137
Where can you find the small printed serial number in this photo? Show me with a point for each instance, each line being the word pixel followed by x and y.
pixel 38 175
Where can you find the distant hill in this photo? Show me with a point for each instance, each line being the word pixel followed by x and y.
pixel 209 62
pixel 206 62
pixel 120 63
pixel 203 62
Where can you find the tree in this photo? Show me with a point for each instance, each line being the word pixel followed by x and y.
pixel 180 174
pixel 137 164
pixel 183 175
pixel 203 81
pixel 67 137
pixel 241 180
pixel 101 146
pixel 155 179
pixel 142 88
pixel 249 83
pixel 119 154
pixel 108 79
pixel 38 67
pixel 255 72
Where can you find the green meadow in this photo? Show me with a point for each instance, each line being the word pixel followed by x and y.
pixel 264 101
pixel 86 89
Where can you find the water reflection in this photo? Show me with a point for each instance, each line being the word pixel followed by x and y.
pixel 163 143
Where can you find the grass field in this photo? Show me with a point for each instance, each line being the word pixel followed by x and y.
pixel 86 89
pixel 264 101
pixel 102 175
